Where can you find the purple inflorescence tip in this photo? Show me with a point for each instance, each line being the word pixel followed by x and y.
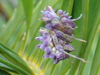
pixel 57 34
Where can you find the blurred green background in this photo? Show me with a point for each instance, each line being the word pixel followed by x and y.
pixel 19 25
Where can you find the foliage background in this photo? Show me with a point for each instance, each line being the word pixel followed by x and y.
pixel 19 25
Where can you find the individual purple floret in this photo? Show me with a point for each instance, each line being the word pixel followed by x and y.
pixel 57 35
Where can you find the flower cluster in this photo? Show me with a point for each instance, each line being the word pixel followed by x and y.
pixel 57 34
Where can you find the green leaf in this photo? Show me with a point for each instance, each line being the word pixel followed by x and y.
pixel 13 23
pixel 13 57
pixel 96 62
pixel 14 67
pixel 95 25
pixel 2 72
pixel 28 7
pixel 67 6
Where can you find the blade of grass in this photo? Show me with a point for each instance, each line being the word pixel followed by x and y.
pixel 13 57
pixel 68 6
pixel 87 67
pixel 2 72
pixel 18 37
pixel 95 23
pixel 92 7
pixel 3 66
pixel 11 38
pixel 8 9
pixel 96 61
pixel 77 10
pixel 21 71
pixel 13 23
pixel 28 7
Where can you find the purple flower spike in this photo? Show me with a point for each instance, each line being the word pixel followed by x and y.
pixel 57 34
